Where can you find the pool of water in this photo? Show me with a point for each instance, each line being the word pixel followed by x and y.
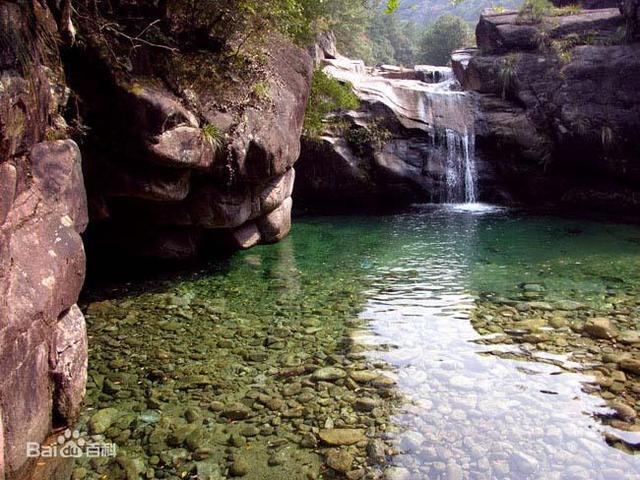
pixel 445 342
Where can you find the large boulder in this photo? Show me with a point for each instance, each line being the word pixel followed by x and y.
pixel 42 265
pixel 505 32
pixel 191 160
pixel 558 118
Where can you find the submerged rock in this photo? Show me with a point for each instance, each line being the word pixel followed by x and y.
pixel 341 436
pixel 339 460
pixel 600 328
pixel 102 420
pixel 328 374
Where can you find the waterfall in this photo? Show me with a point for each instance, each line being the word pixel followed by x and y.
pixel 451 115
pixel 428 98
pixel 460 167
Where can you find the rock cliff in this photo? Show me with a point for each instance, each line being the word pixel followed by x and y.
pixel 191 151
pixel 558 106
pixel 177 149
pixel 43 210
pixel 411 140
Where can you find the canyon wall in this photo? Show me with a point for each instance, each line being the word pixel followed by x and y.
pixel 187 150
pixel 558 106
pixel 43 210
pixel 160 152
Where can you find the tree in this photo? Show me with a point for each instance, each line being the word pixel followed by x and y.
pixel 440 39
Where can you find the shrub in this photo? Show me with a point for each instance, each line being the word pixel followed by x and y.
pixel 212 135
pixel 507 74
pixel 375 135
pixel 327 95
pixel 261 91
pixel 532 11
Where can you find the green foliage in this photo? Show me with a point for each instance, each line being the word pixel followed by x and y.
pixel 508 74
pixel 425 12
pixel 327 96
pixel 212 135
pixel 441 38
pixel 261 91
pixel 392 6
pixel 532 11
pixel 375 135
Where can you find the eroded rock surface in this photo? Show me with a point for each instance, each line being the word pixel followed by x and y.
pixel 43 210
pixel 411 140
pixel 558 106
pixel 180 160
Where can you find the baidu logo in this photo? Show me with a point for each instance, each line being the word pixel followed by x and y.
pixel 71 445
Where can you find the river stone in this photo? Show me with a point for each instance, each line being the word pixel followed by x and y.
pixel 624 411
pixel 629 337
pixel 568 305
pixel 531 324
pixel 133 467
pixel 363 376
pixel 599 328
pixel 454 472
pixel 239 467
pixel 523 463
pixel 341 436
pixel 236 411
pixel 541 306
pixel 533 287
pixel 558 322
pixel 411 441
pixel 208 470
pixel 102 420
pixel 279 457
pixel 178 437
pixel 376 451
pixel 339 460
pixel 397 473
pixel 366 404
pixel 329 374
pixel 630 365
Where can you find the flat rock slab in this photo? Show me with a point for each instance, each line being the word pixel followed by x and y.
pixel 342 436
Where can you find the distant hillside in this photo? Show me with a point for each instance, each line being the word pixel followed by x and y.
pixel 423 12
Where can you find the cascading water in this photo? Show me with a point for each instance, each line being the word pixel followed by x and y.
pixel 460 167
pixel 451 116
pixel 431 99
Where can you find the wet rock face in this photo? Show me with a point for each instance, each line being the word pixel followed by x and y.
pixel 556 102
pixel 401 146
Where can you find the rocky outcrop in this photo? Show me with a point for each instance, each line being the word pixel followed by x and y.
pixel 168 169
pixel 411 140
pixel 558 107
pixel 505 32
pixel 180 160
pixel 43 210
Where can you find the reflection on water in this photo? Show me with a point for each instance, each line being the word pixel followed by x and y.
pixel 465 414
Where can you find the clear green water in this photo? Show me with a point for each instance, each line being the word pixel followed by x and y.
pixel 392 295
